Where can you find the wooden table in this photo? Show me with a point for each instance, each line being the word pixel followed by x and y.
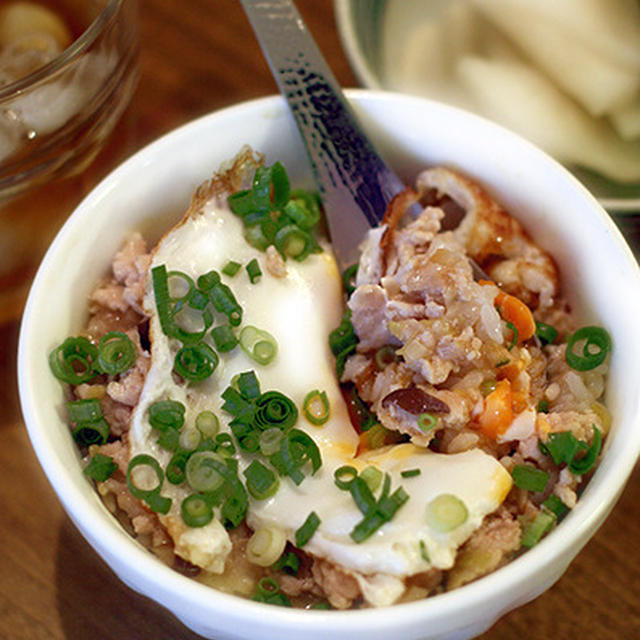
pixel 198 56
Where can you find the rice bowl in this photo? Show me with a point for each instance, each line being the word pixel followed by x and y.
pixel 512 169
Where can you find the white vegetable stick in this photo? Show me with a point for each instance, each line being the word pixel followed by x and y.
pixel 626 120
pixel 526 101
pixel 611 27
pixel 599 82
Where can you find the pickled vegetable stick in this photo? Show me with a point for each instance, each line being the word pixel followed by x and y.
pixel 626 120
pixel 524 100
pixel 585 71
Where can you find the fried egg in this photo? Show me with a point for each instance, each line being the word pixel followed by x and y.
pixel 299 310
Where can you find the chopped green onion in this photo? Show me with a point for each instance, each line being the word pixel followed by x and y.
pixel 487 387
pixel 169 438
pixel 543 406
pixel 424 554
pixel 180 292
pixel 534 531
pixel 259 345
pixel 343 476
pixel 381 512
pixel 207 424
pixel 151 496
pixel 202 471
pixel 208 280
pixel 195 362
pixel 594 337
pixel 372 476
pixel 446 512
pixel 410 473
pixel 362 495
pixel 322 606
pixel 224 445
pixel 241 203
pixel 426 422
pixel 288 562
pixel 224 338
pixel 349 278
pixel 307 529
pixel 562 446
pixel 100 467
pixel 292 242
pixel 225 302
pixel 580 466
pixel 231 268
pixel 175 471
pixel 296 450
pixel 91 427
pixel 274 409
pixel 253 271
pixel 256 238
pixel 74 360
pixel 546 333
pixel 86 410
pixel 248 385
pixel 268 591
pixel 116 353
pixel 385 356
pixel 555 506
pixel 166 413
pixel 270 440
pixel 316 407
pixel 343 341
pixel 189 438
pixel 262 483
pixel 529 478
pixel 303 208
pixel 196 511
pixel 266 545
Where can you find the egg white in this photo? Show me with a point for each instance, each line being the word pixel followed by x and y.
pixel 300 310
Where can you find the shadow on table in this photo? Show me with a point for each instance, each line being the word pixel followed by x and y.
pixel 94 604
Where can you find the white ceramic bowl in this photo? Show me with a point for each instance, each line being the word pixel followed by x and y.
pixel 152 189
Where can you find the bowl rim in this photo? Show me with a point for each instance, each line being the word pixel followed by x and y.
pixel 168 587
pixel 75 50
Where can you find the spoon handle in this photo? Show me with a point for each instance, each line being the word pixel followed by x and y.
pixel 354 182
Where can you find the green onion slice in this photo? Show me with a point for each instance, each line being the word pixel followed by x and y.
pixel 410 473
pixel 225 302
pixel 100 467
pixel 262 483
pixel 253 271
pixel 224 338
pixel 175 471
pixel 535 530
pixel 288 562
pixel 580 466
pixel 426 422
pixel 74 360
pixel 85 410
pixel 446 512
pixel 372 476
pixel 207 423
pixel 546 333
pixel 202 471
pixel 593 337
pixel 196 511
pixel 259 345
pixel 292 242
pixel 343 476
pixel 151 496
pixel 274 409
pixel 195 362
pixel 166 413
pixel 169 439
pixel 270 440
pixel 555 506
pixel 116 353
pixel 307 529
pixel 514 335
pixel 529 478
pixel 297 449
pixel 316 407
pixel 231 268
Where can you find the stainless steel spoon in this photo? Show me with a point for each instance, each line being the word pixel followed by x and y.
pixel 354 182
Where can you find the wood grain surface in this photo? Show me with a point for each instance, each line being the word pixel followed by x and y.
pixel 198 56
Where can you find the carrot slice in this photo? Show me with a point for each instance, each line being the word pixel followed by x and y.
pixel 498 411
pixel 518 314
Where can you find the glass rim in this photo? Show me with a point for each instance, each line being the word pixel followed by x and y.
pixel 76 49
